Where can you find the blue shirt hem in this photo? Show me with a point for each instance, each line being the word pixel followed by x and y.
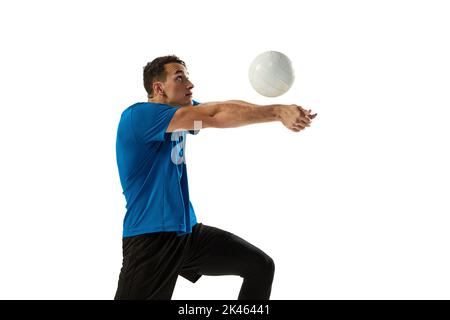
pixel 180 229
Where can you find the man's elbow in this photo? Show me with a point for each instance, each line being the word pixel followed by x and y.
pixel 202 117
pixel 205 122
pixel 190 119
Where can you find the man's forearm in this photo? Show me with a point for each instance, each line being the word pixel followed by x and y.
pixel 235 113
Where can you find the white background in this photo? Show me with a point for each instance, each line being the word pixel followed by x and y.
pixel 354 207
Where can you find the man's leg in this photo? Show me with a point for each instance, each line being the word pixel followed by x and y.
pixel 150 266
pixel 213 252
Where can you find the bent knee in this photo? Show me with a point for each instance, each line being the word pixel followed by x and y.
pixel 260 265
pixel 269 265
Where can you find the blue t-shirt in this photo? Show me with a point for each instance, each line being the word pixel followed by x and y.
pixel 152 171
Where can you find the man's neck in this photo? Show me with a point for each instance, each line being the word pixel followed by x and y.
pixel 164 101
pixel 158 100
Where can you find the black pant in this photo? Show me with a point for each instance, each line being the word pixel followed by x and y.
pixel 153 261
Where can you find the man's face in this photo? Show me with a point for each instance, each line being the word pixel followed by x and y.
pixel 177 87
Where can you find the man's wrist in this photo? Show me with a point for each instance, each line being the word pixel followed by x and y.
pixel 277 111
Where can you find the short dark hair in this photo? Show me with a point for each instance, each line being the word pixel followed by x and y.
pixel 154 71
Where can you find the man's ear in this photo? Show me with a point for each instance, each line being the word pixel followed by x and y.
pixel 157 88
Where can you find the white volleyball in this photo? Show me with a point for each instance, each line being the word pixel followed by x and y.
pixel 271 74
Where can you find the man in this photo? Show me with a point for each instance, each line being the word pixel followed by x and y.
pixel 161 236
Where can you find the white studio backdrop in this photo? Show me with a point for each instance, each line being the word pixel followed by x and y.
pixel 354 207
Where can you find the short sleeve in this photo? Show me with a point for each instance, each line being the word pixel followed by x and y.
pixel 194 103
pixel 150 120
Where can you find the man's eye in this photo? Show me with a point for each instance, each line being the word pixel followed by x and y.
pixel 179 78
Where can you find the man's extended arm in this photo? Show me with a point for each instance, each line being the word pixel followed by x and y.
pixel 236 113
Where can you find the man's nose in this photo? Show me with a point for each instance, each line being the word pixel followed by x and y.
pixel 190 85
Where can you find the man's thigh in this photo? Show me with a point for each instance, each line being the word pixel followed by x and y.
pixel 213 251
